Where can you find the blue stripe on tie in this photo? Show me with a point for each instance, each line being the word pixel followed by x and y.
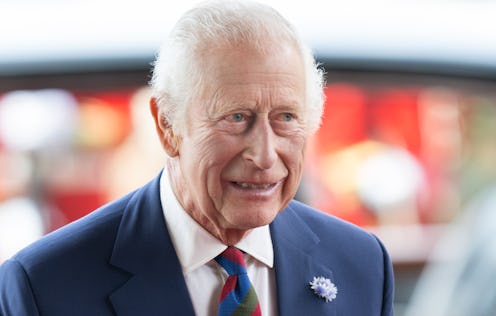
pixel 237 285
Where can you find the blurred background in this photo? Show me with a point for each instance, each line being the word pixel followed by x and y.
pixel 407 148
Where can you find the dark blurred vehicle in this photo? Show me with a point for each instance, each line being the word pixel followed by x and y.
pixel 407 140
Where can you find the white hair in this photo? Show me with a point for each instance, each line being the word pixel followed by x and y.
pixel 178 69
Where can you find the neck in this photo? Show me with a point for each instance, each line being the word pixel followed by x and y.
pixel 231 237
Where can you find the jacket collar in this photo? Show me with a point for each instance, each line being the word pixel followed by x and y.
pixel 143 249
pixel 295 261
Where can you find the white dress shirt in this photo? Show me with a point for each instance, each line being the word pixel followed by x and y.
pixel 197 248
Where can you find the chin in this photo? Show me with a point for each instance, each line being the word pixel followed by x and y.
pixel 251 214
pixel 254 220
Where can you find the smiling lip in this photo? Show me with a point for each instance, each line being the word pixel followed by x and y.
pixel 255 186
pixel 254 191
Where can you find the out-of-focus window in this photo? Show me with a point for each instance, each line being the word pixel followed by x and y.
pixel 402 158
pixel 64 153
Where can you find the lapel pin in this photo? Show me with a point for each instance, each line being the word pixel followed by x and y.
pixel 324 288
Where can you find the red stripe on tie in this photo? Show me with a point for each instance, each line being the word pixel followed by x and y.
pixel 257 311
pixel 234 255
pixel 229 286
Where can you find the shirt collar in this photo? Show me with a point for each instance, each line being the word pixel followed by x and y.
pixel 194 245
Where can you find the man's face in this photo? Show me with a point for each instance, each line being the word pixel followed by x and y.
pixel 241 153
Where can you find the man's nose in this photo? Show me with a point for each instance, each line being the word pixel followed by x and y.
pixel 261 145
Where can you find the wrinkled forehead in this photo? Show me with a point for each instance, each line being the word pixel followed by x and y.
pixel 244 78
pixel 247 64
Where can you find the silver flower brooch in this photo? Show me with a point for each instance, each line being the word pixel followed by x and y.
pixel 324 288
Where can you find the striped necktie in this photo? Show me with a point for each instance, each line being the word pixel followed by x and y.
pixel 238 297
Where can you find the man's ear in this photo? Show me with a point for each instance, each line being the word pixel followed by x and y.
pixel 168 139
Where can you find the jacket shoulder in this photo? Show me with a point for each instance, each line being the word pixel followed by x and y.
pixel 337 238
pixel 357 256
pixel 96 230
pixel 328 225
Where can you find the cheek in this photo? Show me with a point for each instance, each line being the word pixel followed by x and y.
pixel 294 151
pixel 199 150
pixel 195 158
pixel 293 158
pixel 210 156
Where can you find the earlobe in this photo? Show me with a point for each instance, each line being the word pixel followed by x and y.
pixel 168 138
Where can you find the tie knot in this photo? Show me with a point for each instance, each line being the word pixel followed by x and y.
pixel 232 260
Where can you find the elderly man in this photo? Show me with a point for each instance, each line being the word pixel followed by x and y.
pixel 235 97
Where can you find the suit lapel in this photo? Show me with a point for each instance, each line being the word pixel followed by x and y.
pixel 295 266
pixel 143 248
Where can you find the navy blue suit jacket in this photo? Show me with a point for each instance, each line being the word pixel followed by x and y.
pixel 119 260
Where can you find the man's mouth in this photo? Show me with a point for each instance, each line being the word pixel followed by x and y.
pixel 255 186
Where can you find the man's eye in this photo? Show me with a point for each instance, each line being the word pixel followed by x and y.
pixel 287 117
pixel 236 117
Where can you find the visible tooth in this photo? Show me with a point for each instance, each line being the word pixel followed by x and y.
pixel 253 186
